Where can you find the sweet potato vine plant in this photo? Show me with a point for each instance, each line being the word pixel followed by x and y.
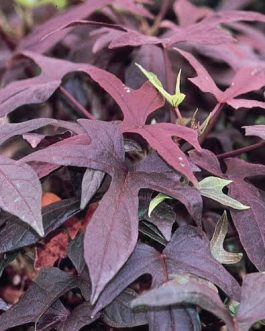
pixel 142 122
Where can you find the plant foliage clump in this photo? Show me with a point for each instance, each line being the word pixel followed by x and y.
pixel 131 165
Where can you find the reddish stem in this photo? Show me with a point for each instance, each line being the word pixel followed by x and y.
pixel 241 150
pixel 81 109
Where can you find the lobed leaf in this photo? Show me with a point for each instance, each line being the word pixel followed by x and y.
pixel 211 187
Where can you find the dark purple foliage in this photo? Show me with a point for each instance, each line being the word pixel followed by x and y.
pixel 87 143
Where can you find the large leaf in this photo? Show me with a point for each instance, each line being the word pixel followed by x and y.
pixel 14 234
pixel 187 248
pixel 246 79
pixel 160 135
pixel 20 192
pixel 115 237
pixel 36 42
pixel 249 223
pixel 187 289
pixel 50 284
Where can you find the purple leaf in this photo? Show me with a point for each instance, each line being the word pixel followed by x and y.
pixel 187 248
pixel 116 236
pixel 159 136
pixel 119 313
pixel 14 234
pixel 246 79
pixel 35 41
pixel 80 316
pixel 8 130
pixel 188 14
pixel 186 289
pixel 21 192
pixel 91 182
pixel 53 317
pixel 252 301
pixel 255 130
pixel 249 223
pixel 50 284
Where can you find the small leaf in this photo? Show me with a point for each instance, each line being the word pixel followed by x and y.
pixel 175 99
pixel 217 242
pixel 211 187
pixel 37 3
pixel 156 201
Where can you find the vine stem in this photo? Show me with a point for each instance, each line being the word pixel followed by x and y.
pixel 241 150
pixel 81 109
pixel 162 13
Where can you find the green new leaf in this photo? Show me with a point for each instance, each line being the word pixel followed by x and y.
pixel 36 3
pixel 175 99
pixel 156 201
pixel 212 187
pixel 217 243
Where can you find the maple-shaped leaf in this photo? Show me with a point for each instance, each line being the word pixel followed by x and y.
pixel 115 236
pixel 20 192
pixel 184 253
pixel 248 221
pixel 35 41
pixel 251 308
pixel 246 79
pixel 187 289
pixel 159 135
pixel 50 284
pixel 37 89
pixel 15 234
pixel 255 130
pixel 205 32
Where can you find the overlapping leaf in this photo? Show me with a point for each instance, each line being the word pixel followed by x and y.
pixel 35 42
pixel 115 236
pixel 50 284
pixel 187 248
pixel 14 234
pixel 246 79
pixel 160 135
pixel 249 223
pixel 252 301
pixel 187 289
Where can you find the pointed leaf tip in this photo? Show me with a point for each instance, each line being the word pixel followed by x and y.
pixel 212 187
pixel 217 243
